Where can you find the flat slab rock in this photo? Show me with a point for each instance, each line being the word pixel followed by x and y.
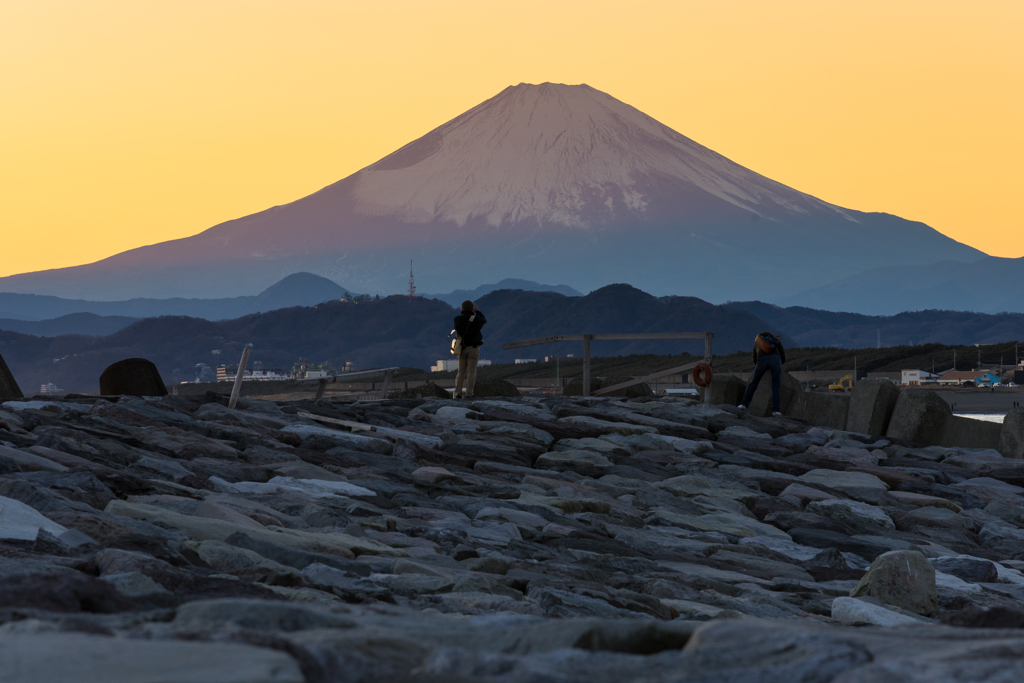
pixel 514 540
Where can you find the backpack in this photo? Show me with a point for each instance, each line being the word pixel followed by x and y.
pixel 457 342
pixel 768 343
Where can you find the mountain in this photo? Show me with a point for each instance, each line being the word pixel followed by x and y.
pixel 988 285
pixel 391 331
pixel 459 295
pixel 810 327
pixel 540 182
pixel 297 289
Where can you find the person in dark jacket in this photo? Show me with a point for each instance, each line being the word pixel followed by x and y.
pixel 768 357
pixel 467 325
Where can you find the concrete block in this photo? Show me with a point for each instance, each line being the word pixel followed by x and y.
pixel 871 404
pixel 9 387
pixel 821 410
pixel 726 390
pixel 761 404
pixel 1011 435
pixel 963 432
pixel 132 377
pixel 920 416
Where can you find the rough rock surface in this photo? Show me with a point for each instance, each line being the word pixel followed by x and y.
pixel 8 385
pixel 503 539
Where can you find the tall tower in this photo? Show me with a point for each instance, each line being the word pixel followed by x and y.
pixel 412 283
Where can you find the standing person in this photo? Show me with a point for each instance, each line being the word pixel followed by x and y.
pixel 467 326
pixel 768 356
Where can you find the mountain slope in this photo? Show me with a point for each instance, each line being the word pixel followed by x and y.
pixel 459 295
pixel 989 285
pixel 391 331
pixel 541 182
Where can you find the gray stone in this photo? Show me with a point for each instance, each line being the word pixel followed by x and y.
pixel 920 416
pixel 20 522
pixel 134 584
pixel 872 402
pixel 858 612
pixel 1011 438
pixel 853 512
pixel 132 377
pixel 261 615
pixel 98 659
pixel 571 460
pixel 965 432
pixel 903 578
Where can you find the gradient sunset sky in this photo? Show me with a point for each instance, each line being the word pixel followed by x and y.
pixel 130 122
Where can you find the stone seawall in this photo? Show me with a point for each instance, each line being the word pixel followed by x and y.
pixel 877 407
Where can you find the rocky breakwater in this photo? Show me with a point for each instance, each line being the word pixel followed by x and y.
pixel 562 539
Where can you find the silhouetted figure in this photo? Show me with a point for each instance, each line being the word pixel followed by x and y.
pixel 768 356
pixel 467 326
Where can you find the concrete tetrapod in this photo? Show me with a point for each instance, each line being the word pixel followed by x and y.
pixel 8 386
pixel 132 377
pixel 872 402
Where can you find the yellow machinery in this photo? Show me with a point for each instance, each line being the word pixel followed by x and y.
pixel 844 384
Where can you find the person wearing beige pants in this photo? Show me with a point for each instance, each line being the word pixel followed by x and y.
pixel 467 325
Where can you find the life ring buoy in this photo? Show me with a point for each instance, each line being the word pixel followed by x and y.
pixel 702 374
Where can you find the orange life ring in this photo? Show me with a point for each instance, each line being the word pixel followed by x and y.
pixel 702 374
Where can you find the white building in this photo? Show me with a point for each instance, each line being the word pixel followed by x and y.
pixel 917 377
pixel 452 364
pixel 524 361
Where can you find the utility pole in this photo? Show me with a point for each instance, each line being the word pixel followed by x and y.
pixel 854 371
pixel 954 360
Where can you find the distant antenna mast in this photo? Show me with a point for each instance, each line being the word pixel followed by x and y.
pixel 412 283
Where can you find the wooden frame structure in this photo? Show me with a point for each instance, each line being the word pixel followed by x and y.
pixel 588 338
pixel 324 381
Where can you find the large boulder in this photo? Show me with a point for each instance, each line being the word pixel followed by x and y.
pixel 1011 437
pixel 132 377
pixel 821 410
pixel 921 416
pixel 872 402
pixel 903 578
pixel 575 387
pixel 761 404
pixel 428 390
pixel 8 386
pixel 726 390
pixel 494 387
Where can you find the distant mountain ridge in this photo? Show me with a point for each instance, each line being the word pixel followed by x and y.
pixel 810 327
pixel 539 181
pixel 988 285
pixel 392 331
pixel 297 289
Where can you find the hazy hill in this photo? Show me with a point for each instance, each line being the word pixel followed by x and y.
pixel 72 323
pixel 539 181
pixel 989 285
pixel 811 327
pixel 297 289
pixel 459 295
pixel 389 331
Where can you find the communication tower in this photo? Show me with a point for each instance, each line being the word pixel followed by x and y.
pixel 412 283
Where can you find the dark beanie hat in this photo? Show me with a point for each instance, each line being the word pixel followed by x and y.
pixel 467 306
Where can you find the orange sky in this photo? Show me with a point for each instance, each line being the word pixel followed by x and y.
pixel 128 122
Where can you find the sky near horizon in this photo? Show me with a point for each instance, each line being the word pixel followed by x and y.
pixel 127 122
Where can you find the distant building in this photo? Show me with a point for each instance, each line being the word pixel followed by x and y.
pixel 524 361
pixel 315 374
pixel 452 364
pixel 960 377
pixel 349 366
pixel 49 389
pixel 917 377
pixel 222 373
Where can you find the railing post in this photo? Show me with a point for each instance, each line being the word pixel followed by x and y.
pixel 387 384
pixel 586 364
pixel 237 389
pixel 321 387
